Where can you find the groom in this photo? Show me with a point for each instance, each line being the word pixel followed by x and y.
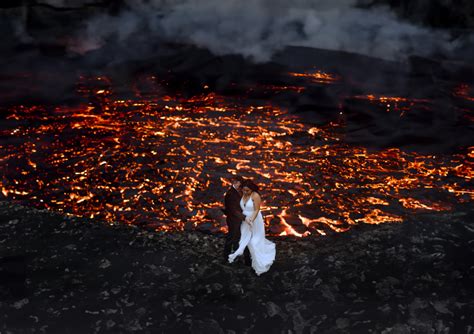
pixel 234 219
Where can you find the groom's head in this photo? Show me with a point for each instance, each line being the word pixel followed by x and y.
pixel 236 181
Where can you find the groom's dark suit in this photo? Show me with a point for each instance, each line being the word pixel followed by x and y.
pixel 234 219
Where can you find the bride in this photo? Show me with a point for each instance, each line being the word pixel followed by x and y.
pixel 262 250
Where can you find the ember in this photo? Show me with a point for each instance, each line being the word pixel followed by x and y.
pixel 162 161
pixel 463 91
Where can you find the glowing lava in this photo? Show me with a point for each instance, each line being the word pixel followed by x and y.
pixel 163 161
pixel 316 77
pixel 395 103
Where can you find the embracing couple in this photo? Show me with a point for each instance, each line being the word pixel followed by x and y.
pixel 246 229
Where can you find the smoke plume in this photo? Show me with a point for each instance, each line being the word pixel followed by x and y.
pixel 257 29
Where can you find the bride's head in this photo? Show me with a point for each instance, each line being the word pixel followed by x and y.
pixel 248 187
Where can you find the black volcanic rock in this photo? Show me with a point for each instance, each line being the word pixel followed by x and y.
pixel 71 274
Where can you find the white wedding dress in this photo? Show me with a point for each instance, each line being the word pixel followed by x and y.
pixel 262 250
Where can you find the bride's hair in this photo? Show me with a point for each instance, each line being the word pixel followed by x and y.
pixel 249 184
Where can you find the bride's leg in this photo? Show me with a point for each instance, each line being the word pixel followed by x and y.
pixel 258 232
pixel 245 235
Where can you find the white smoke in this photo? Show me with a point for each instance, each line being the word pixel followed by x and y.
pixel 258 28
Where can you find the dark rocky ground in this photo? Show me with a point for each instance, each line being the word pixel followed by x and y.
pixel 73 275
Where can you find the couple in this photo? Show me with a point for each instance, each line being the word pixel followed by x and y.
pixel 246 226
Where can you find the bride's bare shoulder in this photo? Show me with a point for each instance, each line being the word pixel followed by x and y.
pixel 256 195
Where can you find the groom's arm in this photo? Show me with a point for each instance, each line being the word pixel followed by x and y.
pixel 233 208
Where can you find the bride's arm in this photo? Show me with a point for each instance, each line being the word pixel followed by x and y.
pixel 256 207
